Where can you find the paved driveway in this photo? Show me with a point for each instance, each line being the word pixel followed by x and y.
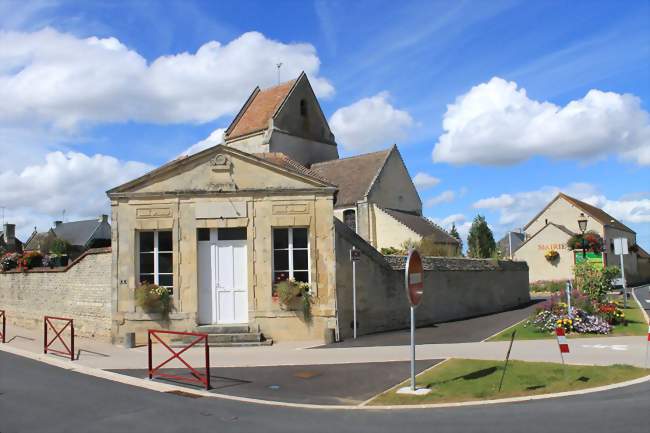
pixel 342 384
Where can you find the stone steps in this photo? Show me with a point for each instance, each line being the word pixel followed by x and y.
pixel 231 336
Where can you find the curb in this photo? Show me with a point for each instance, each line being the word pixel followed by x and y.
pixel 161 387
pixel 641 307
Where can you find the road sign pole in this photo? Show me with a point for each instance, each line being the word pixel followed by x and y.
pixel 354 298
pixel 624 283
pixel 412 348
pixel 568 297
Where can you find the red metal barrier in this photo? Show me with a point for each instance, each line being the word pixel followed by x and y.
pixel 47 322
pixel 203 379
pixel 3 334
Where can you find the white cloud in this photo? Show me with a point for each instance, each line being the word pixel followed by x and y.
pixel 215 138
pixel 443 197
pixel 516 210
pixel 459 220
pixel 72 181
pixel 370 123
pixel 497 123
pixel 425 181
pixel 59 79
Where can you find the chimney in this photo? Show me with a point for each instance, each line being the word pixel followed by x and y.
pixel 57 223
pixel 9 231
pixel 103 218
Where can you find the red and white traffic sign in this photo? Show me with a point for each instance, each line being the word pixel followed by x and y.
pixel 561 340
pixel 414 278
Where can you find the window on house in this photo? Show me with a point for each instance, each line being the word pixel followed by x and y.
pixel 303 107
pixel 290 254
pixel 350 219
pixel 156 258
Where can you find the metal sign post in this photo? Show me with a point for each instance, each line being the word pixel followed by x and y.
pixel 355 255
pixel 568 297
pixel 620 248
pixel 414 285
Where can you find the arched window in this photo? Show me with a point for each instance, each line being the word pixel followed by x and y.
pixel 303 107
pixel 350 219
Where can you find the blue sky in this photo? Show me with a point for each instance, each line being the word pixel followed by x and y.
pixel 399 66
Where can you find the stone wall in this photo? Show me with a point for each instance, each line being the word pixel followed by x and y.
pixel 81 291
pixel 455 288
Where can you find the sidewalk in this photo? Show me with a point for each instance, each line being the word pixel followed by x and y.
pixel 592 351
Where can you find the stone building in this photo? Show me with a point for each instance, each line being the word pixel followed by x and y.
pixel 554 225
pixel 8 241
pixel 80 235
pixel 219 228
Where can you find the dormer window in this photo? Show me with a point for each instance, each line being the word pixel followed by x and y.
pixel 303 108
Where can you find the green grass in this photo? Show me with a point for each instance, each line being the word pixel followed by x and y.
pixel 467 379
pixel 636 326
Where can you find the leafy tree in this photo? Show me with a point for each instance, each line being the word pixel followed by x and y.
pixel 455 234
pixel 480 240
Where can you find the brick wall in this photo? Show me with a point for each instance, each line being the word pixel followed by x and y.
pixel 81 291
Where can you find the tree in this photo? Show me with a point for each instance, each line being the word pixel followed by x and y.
pixel 455 234
pixel 480 241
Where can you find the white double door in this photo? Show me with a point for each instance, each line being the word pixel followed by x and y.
pixel 223 285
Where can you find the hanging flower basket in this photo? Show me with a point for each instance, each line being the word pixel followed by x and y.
pixel 551 256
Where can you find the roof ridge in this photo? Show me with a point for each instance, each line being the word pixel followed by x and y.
pixel 351 157
pixel 589 208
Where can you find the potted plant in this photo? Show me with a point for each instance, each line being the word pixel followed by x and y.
pixel 153 298
pixel 294 295
pixel 551 256
pixel 59 252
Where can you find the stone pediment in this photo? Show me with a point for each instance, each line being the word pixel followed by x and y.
pixel 219 169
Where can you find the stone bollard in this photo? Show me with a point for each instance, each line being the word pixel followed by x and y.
pixel 129 340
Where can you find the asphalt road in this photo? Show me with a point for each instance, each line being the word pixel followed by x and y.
pixel 335 384
pixel 36 397
pixel 643 295
pixel 460 331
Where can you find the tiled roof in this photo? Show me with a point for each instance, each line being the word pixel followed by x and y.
pixel 598 214
pixel 256 114
pixel 282 160
pixel 78 232
pixel 422 226
pixel 353 176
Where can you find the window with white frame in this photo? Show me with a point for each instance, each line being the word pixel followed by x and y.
pixel 290 254
pixel 156 258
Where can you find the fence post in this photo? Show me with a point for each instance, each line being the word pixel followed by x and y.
pixel 207 363
pixel 71 340
pixel 45 335
pixel 149 345
pixel 4 327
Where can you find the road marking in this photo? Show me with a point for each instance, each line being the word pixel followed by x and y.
pixel 618 347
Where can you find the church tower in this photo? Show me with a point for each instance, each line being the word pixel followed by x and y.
pixel 286 118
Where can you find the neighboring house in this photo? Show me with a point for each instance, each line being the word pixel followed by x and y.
pixel 220 227
pixel 377 199
pixel 557 223
pixel 8 241
pixel 81 235
pixel 508 244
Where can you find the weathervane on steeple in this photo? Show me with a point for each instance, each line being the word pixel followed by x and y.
pixel 278 65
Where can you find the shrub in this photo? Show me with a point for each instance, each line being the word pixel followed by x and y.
pixel 593 281
pixel 59 247
pixel 392 251
pixel 153 298
pixel 9 261
pixel 548 286
pixel 611 313
pixel 31 259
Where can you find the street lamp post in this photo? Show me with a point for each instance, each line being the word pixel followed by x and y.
pixel 582 223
